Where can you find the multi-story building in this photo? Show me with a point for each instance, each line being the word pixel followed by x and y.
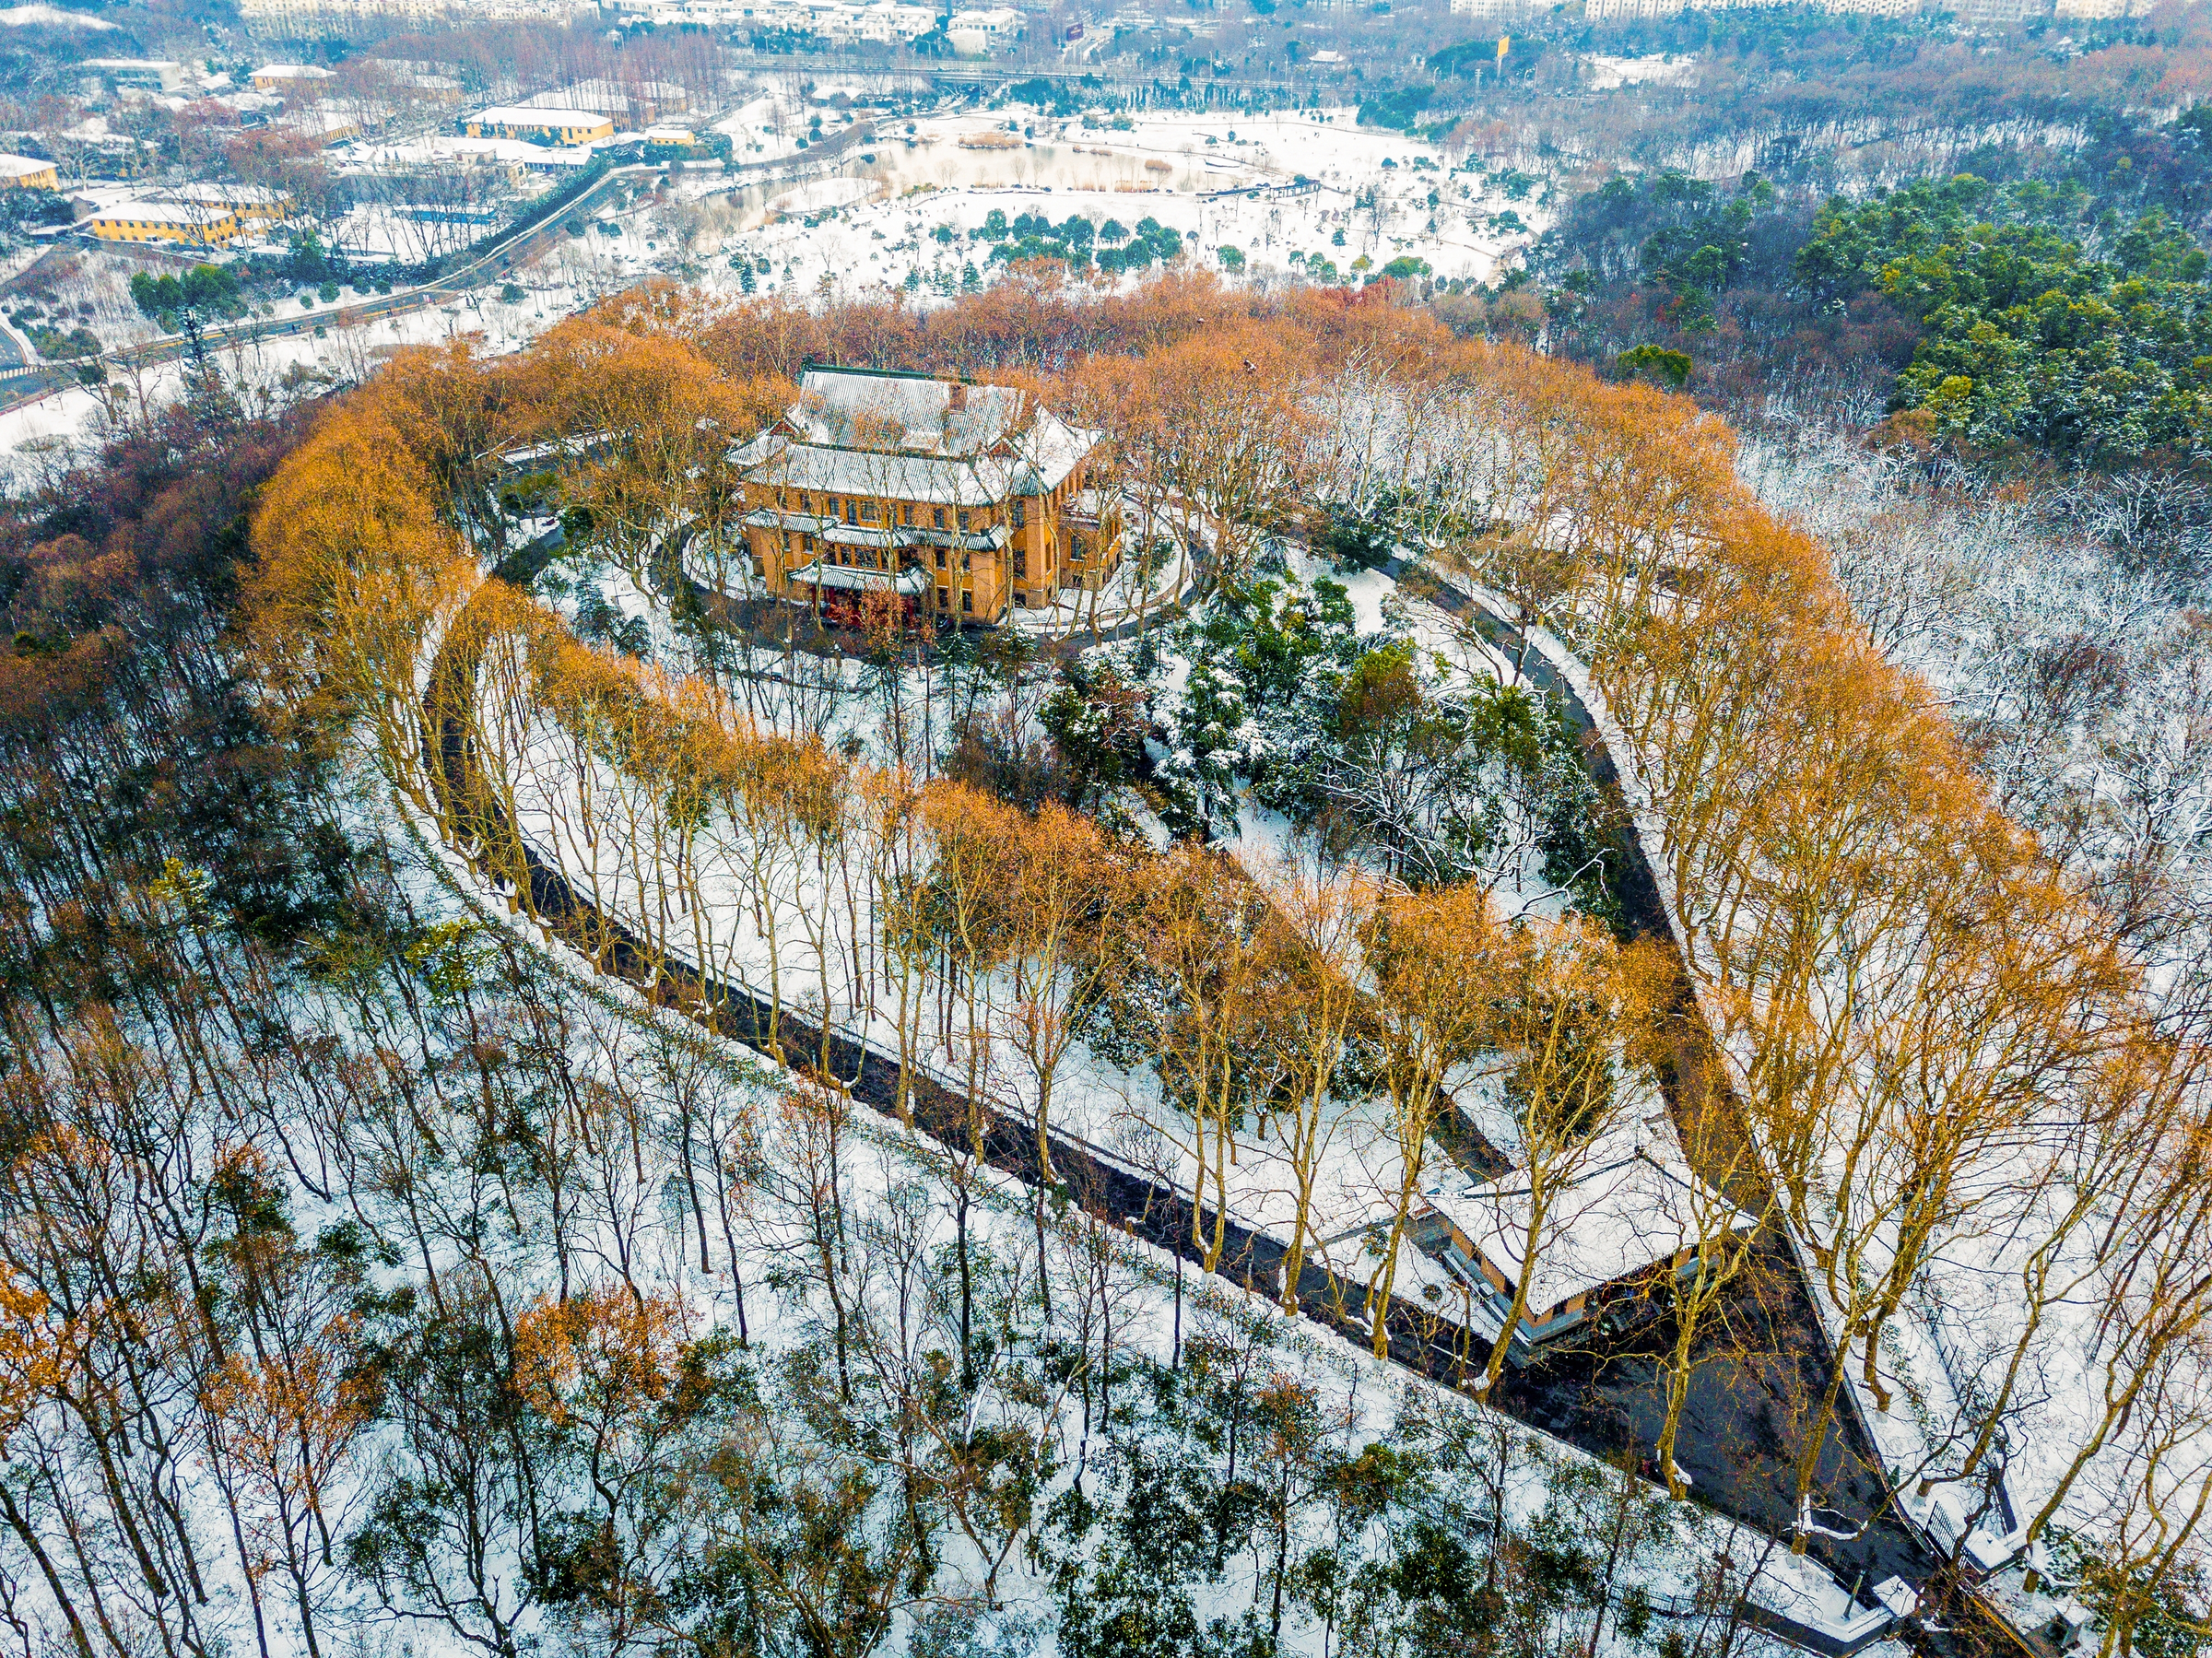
pixel 27 173
pixel 969 501
pixel 291 77
pixel 137 74
pixel 552 125
pixel 250 203
pixel 978 33
pixel 188 223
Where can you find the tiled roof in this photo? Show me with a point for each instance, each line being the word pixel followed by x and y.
pixel 906 437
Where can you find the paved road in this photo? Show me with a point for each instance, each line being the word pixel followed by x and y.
pixel 23 383
pixel 1739 1439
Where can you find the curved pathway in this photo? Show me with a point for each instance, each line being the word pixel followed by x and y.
pixel 1738 1441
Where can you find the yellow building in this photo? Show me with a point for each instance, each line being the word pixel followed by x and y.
pixel 557 126
pixel 249 204
pixel 291 77
pixel 27 173
pixel 188 223
pixel 966 500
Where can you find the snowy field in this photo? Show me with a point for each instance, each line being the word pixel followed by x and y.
pixel 757 909
pixel 1369 196
pixel 901 212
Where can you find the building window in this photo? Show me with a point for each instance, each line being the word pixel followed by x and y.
pixel 940 558
pixel 943 598
pixel 968 600
pixel 867 511
pixel 967 560
pixel 964 521
pixel 1021 513
pixel 940 511
pixel 1021 562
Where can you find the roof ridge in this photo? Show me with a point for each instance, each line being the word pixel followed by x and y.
pixel 808 365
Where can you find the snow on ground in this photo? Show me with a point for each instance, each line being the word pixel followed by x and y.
pixel 904 213
pixel 1096 1100
pixel 1658 68
pixel 1369 199
pixel 1165 1300
pixel 765 916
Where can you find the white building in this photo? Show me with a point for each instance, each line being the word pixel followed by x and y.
pixel 142 74
pixel 549 123
pixel 979 33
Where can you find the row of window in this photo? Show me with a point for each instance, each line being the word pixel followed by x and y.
pixel 217 228
pixel 799 546
pixel 858 509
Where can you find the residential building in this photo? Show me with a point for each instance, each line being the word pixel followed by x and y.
pixel 969 501
pixel 187 223
pixel 250 203
pixel 977 33
pixel 27 173
pixel 290 78
pixel 324 125
pixel 551 125
pixel 138 74
pixel 541 159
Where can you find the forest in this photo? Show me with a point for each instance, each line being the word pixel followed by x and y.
pixel 2022 306
pixel 545 1111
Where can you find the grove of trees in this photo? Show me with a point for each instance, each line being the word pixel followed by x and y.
pixel 500 1303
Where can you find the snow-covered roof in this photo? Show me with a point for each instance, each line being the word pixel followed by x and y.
pixel 161 213
pixel 535 118
pixel 23 167
pixel 1634 1204
pixel 292 72
pixel 911 412
pixel 908 437
pixel 231 195
pixel 875 474
pixel 912 582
